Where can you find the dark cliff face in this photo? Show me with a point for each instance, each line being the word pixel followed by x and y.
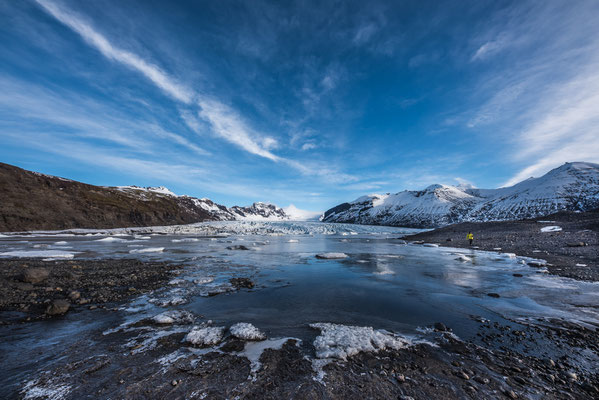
pixel 32 201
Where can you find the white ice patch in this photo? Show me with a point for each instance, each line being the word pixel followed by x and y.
pixel 205 336
pixel 185 240
pixel 552 228
pixel 111 239
pixel 293 241
pixel 430 245
pixel 49 390
pixel 253 350
pixel 40 253
pixel 331 256
pixel 177 281
pixel 581 265
pixel 147 250
pixel 342 341
pixel 246 331
pixel 61 243
pixel 174 317
pixel 203 280
pixel 142 237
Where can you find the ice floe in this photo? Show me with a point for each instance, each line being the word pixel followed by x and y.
pixel 246 331
pixel 147 250
pixel 40 254
pixel 552 228
pixel 342 341
pixel 463 258
pixel 331 256
pixel 111 239
pixel 205 336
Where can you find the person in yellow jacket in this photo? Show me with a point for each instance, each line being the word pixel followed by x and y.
pixel 470 237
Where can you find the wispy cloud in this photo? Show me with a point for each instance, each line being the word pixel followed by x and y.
pixel 490 48
pixel 97 40
pixel 225 122
pixel 228 125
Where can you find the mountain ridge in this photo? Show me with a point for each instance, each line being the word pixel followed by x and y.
pixel 573 186
pixel 36 201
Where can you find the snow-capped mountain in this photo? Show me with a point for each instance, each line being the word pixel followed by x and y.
pixel 258 211
pixel 573 186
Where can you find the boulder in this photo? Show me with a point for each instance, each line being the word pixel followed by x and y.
pixel 58 307
pixel 35 275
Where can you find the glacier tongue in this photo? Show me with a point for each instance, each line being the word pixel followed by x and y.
pixel 573 186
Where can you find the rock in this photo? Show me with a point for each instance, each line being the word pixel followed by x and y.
pixel 449 240
pixel 481 380
pixel 510 393
pixel 440 326
pixel 495 295
pixel 238 247
pixel 35 275
pixel 174 382
pixel 74 295
pixel 83 301
pixel 24 286
pixel 463 375
pixel 518 275
pixel 239 283
pixel 58 307
pixel 571 376
pixel 400 378
pixel 576 244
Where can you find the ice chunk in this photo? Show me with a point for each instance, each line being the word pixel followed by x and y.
pixel 552 228
pixel 293 241
pixel 174 317
pixel 342 341
pixel 463 258
pixel 430 245
pixel 40 253
pixel 245 331
pixel 111 239
pixel 147 250
pixel 331 256
pixel 205 336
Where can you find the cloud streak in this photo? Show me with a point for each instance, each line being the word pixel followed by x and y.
pixel 226 123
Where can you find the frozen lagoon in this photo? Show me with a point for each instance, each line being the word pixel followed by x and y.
pixel 383 283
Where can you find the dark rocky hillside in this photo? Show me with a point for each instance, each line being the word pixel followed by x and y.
pixel 33 201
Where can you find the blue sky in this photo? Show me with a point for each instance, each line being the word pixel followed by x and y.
pixel 310 103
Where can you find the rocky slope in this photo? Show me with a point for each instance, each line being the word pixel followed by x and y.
pixel 34 201
pixel 573 187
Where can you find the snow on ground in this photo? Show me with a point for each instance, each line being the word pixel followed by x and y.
pixel 40 253
pixel 147 250
pixel 205 336
pixel 342 341
pixel 552 228
pixel 331 256
pixel 245 331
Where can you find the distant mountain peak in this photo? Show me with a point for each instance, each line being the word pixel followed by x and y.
pixel 572 186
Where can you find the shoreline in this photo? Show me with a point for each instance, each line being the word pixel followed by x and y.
pixel 572 251
pixel 34 289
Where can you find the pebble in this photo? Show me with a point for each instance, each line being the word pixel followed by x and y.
pixel 400 378
pixel 510 393
pixel 464 375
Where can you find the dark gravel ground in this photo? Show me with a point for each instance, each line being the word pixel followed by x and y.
pixel 29 287
pixel 576 243
pixel 450 370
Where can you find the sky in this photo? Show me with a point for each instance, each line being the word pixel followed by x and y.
pixel 310 103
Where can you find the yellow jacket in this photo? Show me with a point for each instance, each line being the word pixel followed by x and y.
pixel 469 236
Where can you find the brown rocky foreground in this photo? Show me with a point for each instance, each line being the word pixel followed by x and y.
pixel 34 289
